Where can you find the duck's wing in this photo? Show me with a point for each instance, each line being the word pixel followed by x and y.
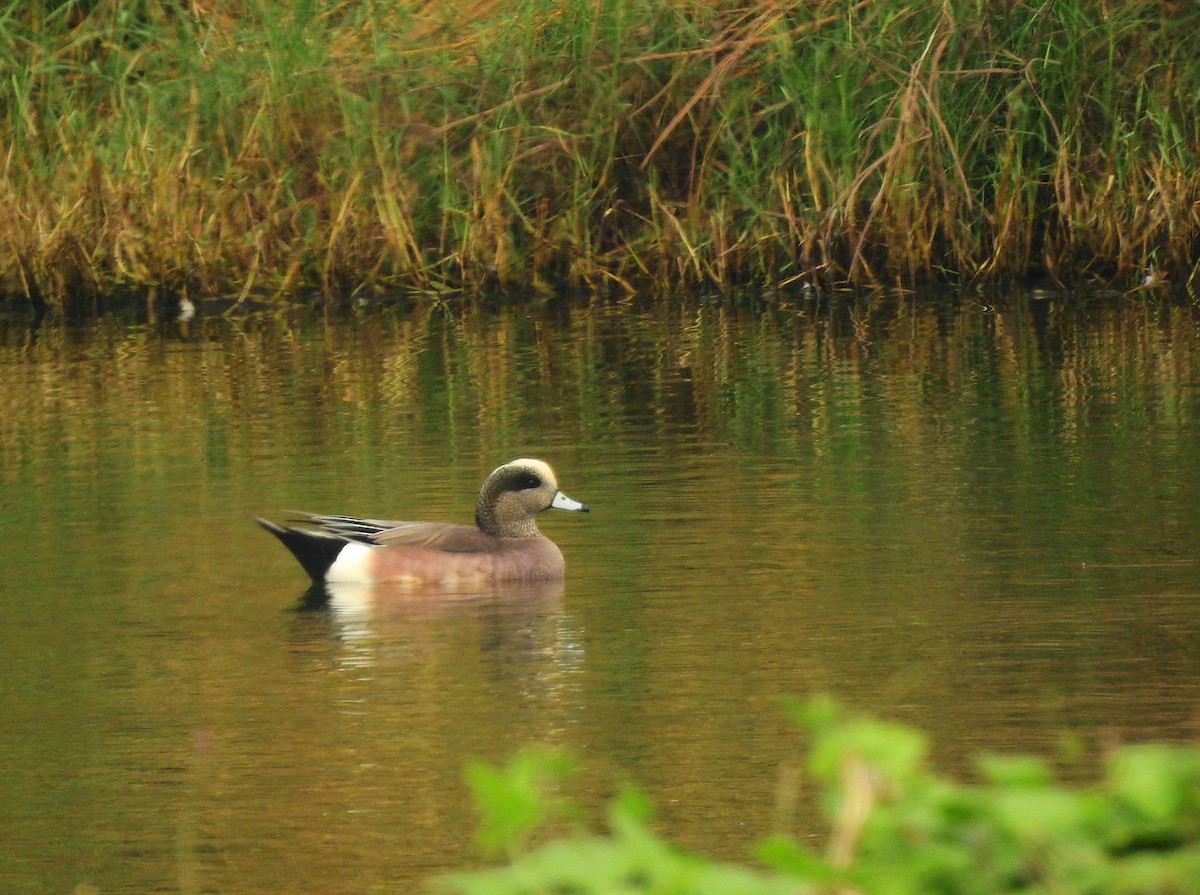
pixel 386 533
pixel 350 527
pixel 437 536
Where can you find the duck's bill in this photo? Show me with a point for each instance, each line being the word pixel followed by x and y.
pixel 562 502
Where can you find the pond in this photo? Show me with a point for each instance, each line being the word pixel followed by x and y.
pixel 979 518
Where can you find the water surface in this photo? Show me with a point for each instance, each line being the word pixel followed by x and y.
pixel 979 518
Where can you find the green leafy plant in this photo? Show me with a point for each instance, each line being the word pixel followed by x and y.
pixel 896 827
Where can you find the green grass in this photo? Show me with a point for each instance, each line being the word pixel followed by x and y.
pixel 247 147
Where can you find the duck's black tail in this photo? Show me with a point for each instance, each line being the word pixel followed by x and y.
pixel 315 550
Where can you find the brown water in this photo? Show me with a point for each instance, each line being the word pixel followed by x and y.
pixel 979 519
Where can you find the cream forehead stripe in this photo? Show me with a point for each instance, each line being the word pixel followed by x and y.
pixel 539 467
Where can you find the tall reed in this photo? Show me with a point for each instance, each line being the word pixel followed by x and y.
pixel 250 147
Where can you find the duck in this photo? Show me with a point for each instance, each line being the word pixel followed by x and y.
pixel 504 544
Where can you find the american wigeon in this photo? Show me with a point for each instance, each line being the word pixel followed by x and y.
pixel 504 544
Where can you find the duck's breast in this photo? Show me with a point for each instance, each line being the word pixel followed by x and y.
pixel 529 559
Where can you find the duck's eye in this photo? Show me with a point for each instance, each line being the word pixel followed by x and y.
pixel 525 481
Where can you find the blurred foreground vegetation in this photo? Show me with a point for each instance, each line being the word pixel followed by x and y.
pixel 894 827
pixel 245 147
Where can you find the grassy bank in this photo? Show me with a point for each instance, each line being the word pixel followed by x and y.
pixel 256 147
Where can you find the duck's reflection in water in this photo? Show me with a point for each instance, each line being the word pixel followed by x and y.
pixel 396 688
pixel 504 629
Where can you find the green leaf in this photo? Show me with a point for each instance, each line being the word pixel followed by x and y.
pixel 1015 770
pixel 515 801
pixel 1037 816
pixel 631 807
pixel 1159 782
pixel 788 856
pixel 891 750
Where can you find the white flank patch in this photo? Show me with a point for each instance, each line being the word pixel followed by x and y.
pixel 352 565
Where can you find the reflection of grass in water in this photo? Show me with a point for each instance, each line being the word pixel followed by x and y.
pixel 771 380
pixel 245 147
